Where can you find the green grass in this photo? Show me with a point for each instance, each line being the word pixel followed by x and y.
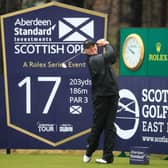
pixel 69 161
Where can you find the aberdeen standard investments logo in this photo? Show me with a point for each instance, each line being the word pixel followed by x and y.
pixel 129 112
pixel 45 36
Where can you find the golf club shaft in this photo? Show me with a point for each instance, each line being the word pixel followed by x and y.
pixel 72 57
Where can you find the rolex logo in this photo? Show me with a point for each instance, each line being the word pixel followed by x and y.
pixel 158 46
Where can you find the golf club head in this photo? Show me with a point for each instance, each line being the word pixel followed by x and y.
pixel 63 65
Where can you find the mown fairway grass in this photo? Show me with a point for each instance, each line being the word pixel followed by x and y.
pixel 69 160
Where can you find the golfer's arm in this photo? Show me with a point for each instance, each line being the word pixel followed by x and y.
pixel 110 55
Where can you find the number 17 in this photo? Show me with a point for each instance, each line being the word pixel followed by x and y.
pixel 27 81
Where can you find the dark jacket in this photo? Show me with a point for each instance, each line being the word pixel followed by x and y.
pixel 103 78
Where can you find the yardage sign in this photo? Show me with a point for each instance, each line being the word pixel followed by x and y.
pixel 47 83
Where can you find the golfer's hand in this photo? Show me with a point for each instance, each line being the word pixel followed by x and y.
pixel 102 42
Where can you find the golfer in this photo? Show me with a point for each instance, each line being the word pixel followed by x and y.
pixel 105 99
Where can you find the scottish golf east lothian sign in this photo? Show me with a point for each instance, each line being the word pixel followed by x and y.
pixel 142 118
pixel 47 84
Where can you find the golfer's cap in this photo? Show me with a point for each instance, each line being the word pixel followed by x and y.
pixel 88 43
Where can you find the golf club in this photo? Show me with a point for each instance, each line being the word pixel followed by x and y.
pixel 63 64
